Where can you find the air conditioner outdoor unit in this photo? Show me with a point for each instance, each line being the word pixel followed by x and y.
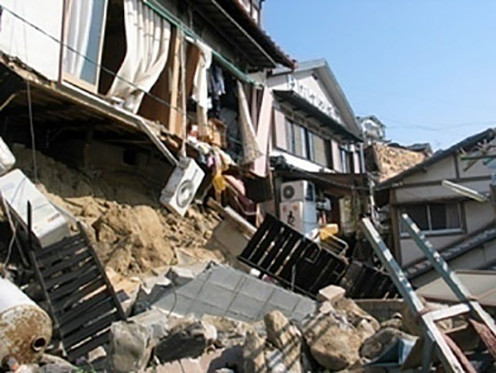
pixel 300 190
pixel 182 186
pixel 301 215
pixel 47 224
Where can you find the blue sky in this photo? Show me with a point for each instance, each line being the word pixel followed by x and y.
pixel 426 68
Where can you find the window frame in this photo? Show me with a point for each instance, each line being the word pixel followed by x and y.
pixel 68 77
pixel 430 231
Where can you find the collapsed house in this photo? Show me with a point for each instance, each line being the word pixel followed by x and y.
pixel 101 88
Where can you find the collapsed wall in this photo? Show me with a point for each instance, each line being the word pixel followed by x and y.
pixel 132 233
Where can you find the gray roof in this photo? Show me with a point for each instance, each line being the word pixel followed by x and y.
pixel 469 243
pixel 325 73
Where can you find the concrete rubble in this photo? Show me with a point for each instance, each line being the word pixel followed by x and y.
pixel 199 310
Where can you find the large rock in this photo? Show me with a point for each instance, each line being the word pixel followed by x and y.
pixel 286 337
pixel 333 341
pixel 188 339
pixel 354 313
pixel 377 344
pixel 156 321
pixel 331 293
pixel 130 346
pixel 230 332
pixel 253 354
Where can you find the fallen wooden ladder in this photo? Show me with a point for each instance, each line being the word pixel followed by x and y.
pixel 486 330
pixel 448 353
pixel 81 299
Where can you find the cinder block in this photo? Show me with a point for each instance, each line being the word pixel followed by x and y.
pixel 216 296
pixel 257 289
pixel 227 278
pixel 245 306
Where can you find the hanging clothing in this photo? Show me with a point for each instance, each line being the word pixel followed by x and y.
pixel 147 39
pixel 251 150
pixel 216 88
pixel 200 88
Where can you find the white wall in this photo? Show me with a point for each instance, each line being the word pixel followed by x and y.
pixel 476 215
pixel 18 39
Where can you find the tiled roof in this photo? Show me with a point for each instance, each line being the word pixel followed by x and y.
pixel 256 44
pixel 472 242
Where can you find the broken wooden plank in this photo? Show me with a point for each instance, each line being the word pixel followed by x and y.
pixel 432 333
pixel 448 275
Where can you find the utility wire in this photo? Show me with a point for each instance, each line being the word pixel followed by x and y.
pixel 31 130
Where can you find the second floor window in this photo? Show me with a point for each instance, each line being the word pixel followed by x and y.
pixel 434 217
pixel 346 159
pixel 305 144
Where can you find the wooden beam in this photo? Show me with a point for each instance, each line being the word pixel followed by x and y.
pixel 174 114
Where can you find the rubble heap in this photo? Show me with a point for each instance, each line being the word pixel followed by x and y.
pixel 392 160
pixel 131 232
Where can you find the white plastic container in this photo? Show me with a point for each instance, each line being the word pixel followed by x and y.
pixel 48 225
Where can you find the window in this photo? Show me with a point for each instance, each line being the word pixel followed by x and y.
pixel 84 34
pixel 434 217
pixel 346 159
pixel 300 142
pixel 303 143
pixel 290 136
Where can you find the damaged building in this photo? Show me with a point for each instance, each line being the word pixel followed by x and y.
pixel 178 194
pixel 460 227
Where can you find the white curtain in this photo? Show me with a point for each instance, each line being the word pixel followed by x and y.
pixel 79 21
pixel 147 40
pixel 200 87
pixel 251 150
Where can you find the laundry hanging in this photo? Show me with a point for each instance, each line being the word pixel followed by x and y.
pixel 200 88
pixel 147 39
pixel 251 150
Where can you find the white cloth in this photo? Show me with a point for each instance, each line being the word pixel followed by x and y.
pixel 78 37
pixel 200 87
pixel 251 150
pixel 147 39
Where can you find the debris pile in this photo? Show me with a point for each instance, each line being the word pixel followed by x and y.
pixel 391 160
pixel 166 339
pixel 132 233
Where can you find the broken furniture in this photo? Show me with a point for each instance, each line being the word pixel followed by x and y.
pixel 81 300
pixel 281 252
pixel 299 263
pixel 449 354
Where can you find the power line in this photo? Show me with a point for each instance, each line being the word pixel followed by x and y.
pixel 443 126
